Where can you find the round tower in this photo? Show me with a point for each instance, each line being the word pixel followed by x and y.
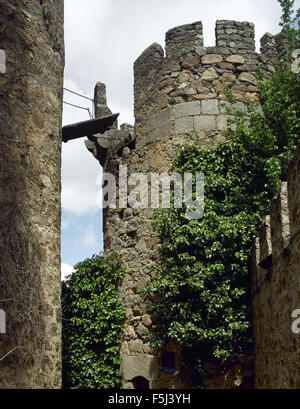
pixel 178 97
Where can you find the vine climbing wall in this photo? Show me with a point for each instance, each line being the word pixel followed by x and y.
pixel 178 97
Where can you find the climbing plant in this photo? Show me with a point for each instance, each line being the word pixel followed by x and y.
pixel 92 324
pixel 201 292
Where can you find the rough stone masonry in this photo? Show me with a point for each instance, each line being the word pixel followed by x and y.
pixel 31 35
pixel 178 97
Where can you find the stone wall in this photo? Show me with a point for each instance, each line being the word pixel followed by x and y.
pixel 276 288
pixel 31 35
pixel 178 97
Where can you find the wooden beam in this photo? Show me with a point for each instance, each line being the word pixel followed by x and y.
pixel 87 128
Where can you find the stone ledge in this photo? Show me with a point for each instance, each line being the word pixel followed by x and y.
pixel 142 365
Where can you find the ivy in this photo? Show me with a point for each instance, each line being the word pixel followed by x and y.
pixel 201 294
pixel 92 324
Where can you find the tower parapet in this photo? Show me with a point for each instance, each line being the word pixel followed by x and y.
pixel 191 72
pixel 234 37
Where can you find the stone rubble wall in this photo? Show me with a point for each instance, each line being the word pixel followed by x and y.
pixel 178 98
pixel 276 288
pixel 31 91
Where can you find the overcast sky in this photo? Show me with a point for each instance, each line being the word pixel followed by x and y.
pixel 103 38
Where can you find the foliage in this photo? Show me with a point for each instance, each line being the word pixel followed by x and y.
pixel 290 24
pixel 201 292
pixel 92 324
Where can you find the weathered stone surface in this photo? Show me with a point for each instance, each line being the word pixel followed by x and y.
pixel 228 77
pixel 226 66
pixel 183 39
pixel 204 122
pixel 202 90
pixel 146 319
pixel 205 96
pixel 184 125
pixel 276 284
pixel 101 108
pixel 190 62
pixel 222 122
pixel 247 77
pixel 209 75
pixel 185 76
pixel 235 59
pixel 30 159
pixel 210 106
pixel 146 66
pixel 146 366
pixel 211 59
pixel 251 96
pixel 190 91
pixel 187 109
pixel 158 126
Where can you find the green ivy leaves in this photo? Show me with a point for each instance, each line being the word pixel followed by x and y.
pixel 201 294
pixel 92 324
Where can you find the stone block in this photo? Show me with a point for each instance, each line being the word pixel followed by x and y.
pixel 247 77
pixel 143 365
pixel 187 109
pixel 226 66
pixel 228 77
pixel 235 59
pixel 238 105
pixel 210 95
pixel 204 123
pixel 158 126
pixel 222 122
pixel 209 75
pixel 185 76
pixel 190 91
pixel 184 125
pixel 135 345
pixel 190 62
pixel 146 319
pixel 211 59
pixel 210 106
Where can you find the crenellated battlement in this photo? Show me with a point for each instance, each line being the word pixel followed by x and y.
pixel 187 71
pixel 183 40
pixel 235 37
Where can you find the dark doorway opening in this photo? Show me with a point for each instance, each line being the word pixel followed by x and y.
pixel 140 383
pixel 168 362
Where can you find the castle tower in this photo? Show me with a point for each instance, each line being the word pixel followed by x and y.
pixel 178 97
pixel 31 88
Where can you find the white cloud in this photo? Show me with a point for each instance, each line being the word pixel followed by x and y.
pixel 66 270
pixel 89 237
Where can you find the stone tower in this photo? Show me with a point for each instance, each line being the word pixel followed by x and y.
pixel 178 97
pixel 31 36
